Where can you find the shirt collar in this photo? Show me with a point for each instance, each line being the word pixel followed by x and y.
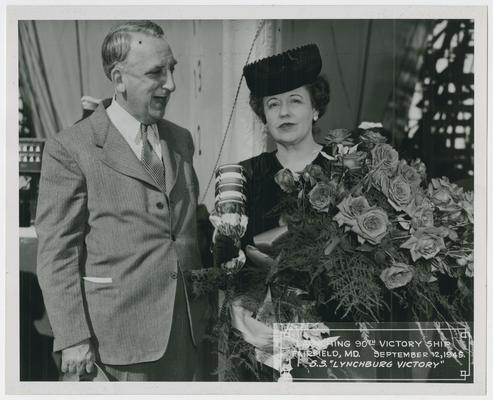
pixel 126 123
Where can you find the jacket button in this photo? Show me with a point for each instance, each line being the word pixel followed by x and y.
pixel 160 205
pixel 173 275
pixel 173 238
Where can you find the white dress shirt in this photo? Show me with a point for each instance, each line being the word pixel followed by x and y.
pixel 129 127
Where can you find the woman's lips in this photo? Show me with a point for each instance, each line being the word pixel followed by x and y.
pixel 286 125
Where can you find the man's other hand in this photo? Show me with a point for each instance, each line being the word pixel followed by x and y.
pixel 78 359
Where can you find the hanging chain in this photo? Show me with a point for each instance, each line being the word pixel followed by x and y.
pixel 259 29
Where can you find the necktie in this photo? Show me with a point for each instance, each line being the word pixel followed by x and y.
pixel 151 162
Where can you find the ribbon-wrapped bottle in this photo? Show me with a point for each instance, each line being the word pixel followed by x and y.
pixel 229 215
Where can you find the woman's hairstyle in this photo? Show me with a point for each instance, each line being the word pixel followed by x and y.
pixel 116 44
pixel 319 94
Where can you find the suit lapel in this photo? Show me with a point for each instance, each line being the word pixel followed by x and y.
pixel 116 153
pixel 171 157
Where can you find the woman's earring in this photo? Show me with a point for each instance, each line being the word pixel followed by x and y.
pixel 315 117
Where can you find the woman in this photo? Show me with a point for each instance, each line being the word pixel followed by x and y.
pixel 289 96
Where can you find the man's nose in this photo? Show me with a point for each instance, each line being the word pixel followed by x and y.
pixel 169 82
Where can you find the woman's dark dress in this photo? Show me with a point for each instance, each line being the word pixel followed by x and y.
pixel 263 193
pixel 263 198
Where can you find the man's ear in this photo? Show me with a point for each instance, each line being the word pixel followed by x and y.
pixel 117 79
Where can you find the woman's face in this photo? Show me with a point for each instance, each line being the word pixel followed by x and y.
pixel 289 116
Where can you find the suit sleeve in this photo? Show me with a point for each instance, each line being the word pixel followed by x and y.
pixel 60 225
pixel 195 179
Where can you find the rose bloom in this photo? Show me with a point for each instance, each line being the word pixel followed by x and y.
pixel 443 199
pixel 455 190
pixel 467 262
pixel 420 167
pixel 286 180
pixel 371 225
pixel 313 173
pixel 446 232
pixel 381 181
pixel 320 196
pixel 411 175
pixel 385 157
pixel 425 243
pixel 339 136
pixel 420 199
pixel 445 195
pixel 398 275
pixel 349 209
pixel 372 137
pixel 468 205
pixel 422 217
pixel 353 160
pixel 456 217
pixel 399 193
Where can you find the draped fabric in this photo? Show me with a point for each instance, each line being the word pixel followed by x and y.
pixel 72 66
pixel 246 136
pixel 34 86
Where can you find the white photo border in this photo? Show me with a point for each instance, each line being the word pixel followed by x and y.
pixel 16 13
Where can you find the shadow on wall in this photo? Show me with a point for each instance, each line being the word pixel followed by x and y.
pixel 37 362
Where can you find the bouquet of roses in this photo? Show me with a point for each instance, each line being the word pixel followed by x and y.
pixel 367 237
pixel 368 226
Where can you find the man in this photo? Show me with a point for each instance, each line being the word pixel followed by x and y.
pixel 117 226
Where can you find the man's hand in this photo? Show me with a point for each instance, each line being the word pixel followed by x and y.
pixel 224 250
pixel 78 359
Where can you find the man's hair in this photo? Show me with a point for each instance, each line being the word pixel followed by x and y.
pixel 116 44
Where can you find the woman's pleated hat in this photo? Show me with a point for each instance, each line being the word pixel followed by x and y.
pixel 283 72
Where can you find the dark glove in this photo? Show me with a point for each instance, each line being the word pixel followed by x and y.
pixel 224 250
